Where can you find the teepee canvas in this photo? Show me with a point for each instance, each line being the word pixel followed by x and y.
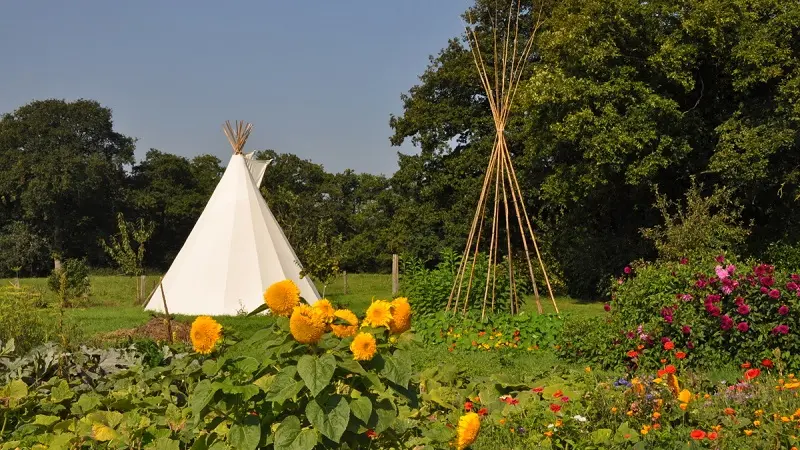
pixel 235 250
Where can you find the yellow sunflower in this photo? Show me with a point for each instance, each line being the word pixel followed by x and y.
pixel 282 297
pixel 205 334
pixel 344 331
pixel 324 306
pixel 363 347
pixel 379 314
pixel 306 324
pixel 468 426
pixel 401 316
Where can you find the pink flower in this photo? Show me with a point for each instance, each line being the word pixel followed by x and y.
pixel 774 293
pixel 627 269
pixel 743 309
pixel 783 310
pixel 565 399
pixel 781 329
pixel 620 281
pixel 684 261
pixel 713 298
pixel 687 297
pixel 700 283
pixel 720 258
pixel 795 277
pixel 766 281
pixel 607 307
pixel 738 301
pixel 731 269
pixel 725 322
pixel 764 290
pixel 686 329
pixel 792 286
pixel 743 327
pixel 690 345
pixel 721 272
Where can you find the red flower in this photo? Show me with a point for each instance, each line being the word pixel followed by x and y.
pixel 468 406
pixel 684 261
pixel 607 307
pixel 713 435
pixel 372 434
pixel 564 399
pixel 537 390
pixel 669 345
pixel 555 408
pixel 670 368
pixel 680 355
pixel 751 374
pixel 661 373
pixel 745 365
pixel 633 354
pixel 697 435
pixel 483 411
pixel 767 363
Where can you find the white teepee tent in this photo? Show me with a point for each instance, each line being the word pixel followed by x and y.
pixel 235 250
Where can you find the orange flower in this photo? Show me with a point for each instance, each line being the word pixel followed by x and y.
pixel 558 394
pixel 745 365
pixel 680 355
pixel 632 354
pixel 697 435
pixel 713 436
pixel 729 411
pixel 669 345
pixel 670 369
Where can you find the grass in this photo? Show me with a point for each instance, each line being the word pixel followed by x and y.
pixel 112 306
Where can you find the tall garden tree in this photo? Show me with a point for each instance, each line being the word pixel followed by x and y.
pixel 63 171
pixel 624 96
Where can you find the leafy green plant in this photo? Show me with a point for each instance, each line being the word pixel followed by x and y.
pixel 76 276
pixel 20 319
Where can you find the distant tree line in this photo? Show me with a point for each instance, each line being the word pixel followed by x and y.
pixel 624 104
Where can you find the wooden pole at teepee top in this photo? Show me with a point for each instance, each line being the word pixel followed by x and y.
pixel 500 185
pixel 237 137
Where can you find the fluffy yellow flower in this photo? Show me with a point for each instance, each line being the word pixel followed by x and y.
pixel 468 426
pixel 327 310
pixel 684 396
pixel 401 316
pixel 363 347
pixel 282 297
pixel 307 324
pixel 205 334
pixel 344 331
pixel 379 314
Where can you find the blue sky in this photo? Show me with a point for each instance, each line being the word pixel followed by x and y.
pixel 316 78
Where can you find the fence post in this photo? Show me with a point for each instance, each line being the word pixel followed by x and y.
pixel 344 279
pixel 395 274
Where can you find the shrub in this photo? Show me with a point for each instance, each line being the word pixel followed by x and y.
pixel 429 290
pixel 76 276
pixel 22 250
pixel 707 312
pixel 20 319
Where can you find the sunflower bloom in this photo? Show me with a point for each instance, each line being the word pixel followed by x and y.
pixel 344 331
pixel 205 334
pixel 468 426
pixel 327 310
pixel 307 324
pixel 401 316
pixel 379 314
pixel 363 347
pixel 282 297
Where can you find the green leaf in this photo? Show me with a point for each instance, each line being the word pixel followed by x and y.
pixel 289 436
pixel 261 308
pixel 16 390
pixel 397 370
pixel 61 392
pixel 245 435
pixel 601 436
pixel 165 443
pixel 352 366
pixel 285 386
pixel 361 408
pixel 247 364
pixel 384 415
pixel 329 418
pixel 45 420
pixel 201 396
pixel 316 372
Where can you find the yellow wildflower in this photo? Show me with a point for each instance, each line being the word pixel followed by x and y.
pixel 205 334
pixel 282 297
pixel 645 429
pixel 748 432
pixel 684 396
pixel 344 331
pixel 468 426
pixel 379 314
pixel 307 324
pixel 401 316
pixel 363 347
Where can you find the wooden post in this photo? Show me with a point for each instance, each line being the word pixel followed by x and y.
pixel 141 289
pixel 166 312
pixel 395 274
pixel 344 279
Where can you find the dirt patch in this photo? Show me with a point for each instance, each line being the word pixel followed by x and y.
pixel 155 329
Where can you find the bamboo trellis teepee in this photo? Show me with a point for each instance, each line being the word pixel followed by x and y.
pixel 500 186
